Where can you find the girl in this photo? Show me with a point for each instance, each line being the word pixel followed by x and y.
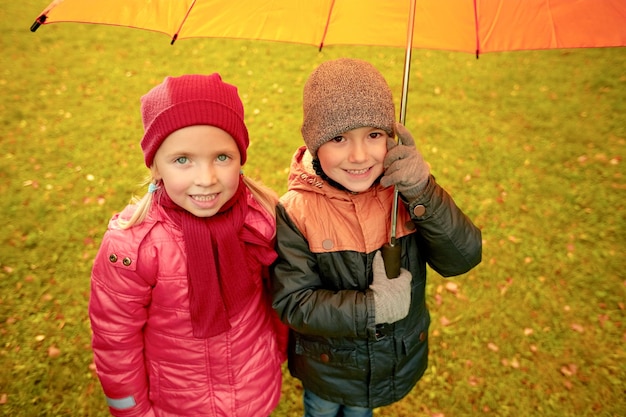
pixel 181 323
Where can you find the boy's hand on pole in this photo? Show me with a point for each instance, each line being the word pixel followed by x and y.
pixel 392 297
pixel 404 165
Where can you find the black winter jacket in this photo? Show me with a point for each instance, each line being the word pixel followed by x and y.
pixel 326 242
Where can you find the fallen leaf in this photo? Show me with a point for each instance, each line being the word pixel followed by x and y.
pixel 473 380
pixel 569 369
pixel 54 352
pixel 3 398
pixel 492 346
pixel 452 287
pixel 600 157
pixel 577 327
pixel 438 299
pixel 603 318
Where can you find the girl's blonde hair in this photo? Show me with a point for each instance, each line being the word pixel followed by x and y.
pixel 264 195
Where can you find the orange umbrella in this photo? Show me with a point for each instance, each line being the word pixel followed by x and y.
pixel 460 25
pixel 475 26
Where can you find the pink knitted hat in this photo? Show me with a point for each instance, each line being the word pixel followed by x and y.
pixel 187 101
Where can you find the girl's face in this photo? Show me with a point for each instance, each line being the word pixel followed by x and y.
pixel 355 158
pixel 199 167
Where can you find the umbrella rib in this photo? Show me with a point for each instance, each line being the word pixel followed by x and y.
pixel 182 23
pixel 554 39
pixel 330 12
pixel 476 28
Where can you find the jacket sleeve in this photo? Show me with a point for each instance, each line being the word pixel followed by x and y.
pixel 452 242
pixel 118 313
pixel 298 294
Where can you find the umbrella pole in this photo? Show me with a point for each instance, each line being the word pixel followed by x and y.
pixel 407 63
pixel 391 252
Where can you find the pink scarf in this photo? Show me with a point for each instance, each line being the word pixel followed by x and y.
pixel 219 287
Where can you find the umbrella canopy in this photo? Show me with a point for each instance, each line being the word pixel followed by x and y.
pixel 475 26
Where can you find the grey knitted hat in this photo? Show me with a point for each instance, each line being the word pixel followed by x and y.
pixel 341 95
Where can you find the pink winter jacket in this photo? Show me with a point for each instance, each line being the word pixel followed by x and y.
pixel 148 362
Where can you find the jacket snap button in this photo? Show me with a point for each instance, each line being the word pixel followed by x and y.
pixel 422 336
pixel 325 358
pixel 409 225
pixel 327 244
pixel 419 210
pixel 113 258
pixel 126 261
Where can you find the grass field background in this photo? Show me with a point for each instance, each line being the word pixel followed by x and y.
pixel 530 144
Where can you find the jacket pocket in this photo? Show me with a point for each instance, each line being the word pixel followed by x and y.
pixel 415 338
pixel 321 351
pixel 177 387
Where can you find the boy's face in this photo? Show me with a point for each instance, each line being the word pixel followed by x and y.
pixel 355 158
pixel 199 167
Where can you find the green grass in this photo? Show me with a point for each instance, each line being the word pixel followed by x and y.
pixel 530 144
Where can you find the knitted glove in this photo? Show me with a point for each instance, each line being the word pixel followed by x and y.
pixel 392 297
pixel 405 166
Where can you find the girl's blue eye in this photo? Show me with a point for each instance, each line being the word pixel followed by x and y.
pixel 222 158
pixel 181 160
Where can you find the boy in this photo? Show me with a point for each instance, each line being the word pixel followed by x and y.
pixel 358 339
